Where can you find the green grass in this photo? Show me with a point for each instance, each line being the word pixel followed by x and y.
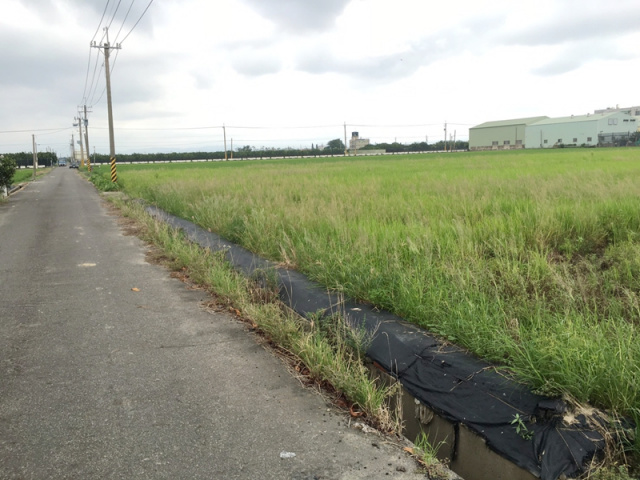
pixel 22 175
pixel 329 349
pixel 529 259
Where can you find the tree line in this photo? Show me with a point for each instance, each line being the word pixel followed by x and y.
pixel 334 147
pixel 24 159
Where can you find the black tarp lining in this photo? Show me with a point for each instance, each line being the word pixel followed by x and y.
pixel 455 384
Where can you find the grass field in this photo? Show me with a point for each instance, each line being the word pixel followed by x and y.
pixel 22 175
pixel 530 259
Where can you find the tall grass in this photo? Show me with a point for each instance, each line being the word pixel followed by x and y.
pixel 22 175
pixel 530 259
pixel 331 349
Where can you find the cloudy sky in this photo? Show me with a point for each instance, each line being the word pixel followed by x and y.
pixel 293 72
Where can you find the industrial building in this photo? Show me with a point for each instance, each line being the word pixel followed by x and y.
pixel 635 111
pixel 356 143
pixel 603 128
pixel 500 135
pixel 581 130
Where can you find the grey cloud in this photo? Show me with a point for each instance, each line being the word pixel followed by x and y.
pixel 381 68
pixel 473 35
pixel 255 62
pixel 116 15
pixel 35 59
pixel 132 76
pixel 558 66
pixel 575 56
pixel 300 16
pixel 385 67
pixel 578 25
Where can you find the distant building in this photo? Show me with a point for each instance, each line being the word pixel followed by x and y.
pixel 581 130
pixel 611 126
pixel 356 143
pixel 634 111
pixel 500 135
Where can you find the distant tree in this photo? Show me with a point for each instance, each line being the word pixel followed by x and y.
pixel 47 159
pixel 335 146
pixel 7 170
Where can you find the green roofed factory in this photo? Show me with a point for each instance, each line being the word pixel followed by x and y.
pixel 603 128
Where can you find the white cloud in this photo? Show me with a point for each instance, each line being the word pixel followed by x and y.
pixel 274 64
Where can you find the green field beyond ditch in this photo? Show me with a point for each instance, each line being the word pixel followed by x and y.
pixel 529 259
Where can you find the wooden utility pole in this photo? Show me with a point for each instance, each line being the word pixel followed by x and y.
pixel 106 48
pixel 224 133
pixel 86 138
pixel 445 136
pixel 79 120
pixel 35 156
pixel 345 139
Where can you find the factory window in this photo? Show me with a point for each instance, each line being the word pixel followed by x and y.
pixel 495 142
pixel 575 140
pixel 518 142
pixel 545 141
pixel 588 139
pixel 507 142
pixel 559 140
pixel 626 120
pixel 613 121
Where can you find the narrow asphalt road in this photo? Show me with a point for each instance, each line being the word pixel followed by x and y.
pixel 100 381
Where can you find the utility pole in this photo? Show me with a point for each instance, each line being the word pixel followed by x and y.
pixel 73 149
pixel 345 139
pixel 445 136
pixel 35 156
pixel 106 48
pixel 86 139
pixel 232 149
pixel 79 120
pixel 224 133
pixel 454 140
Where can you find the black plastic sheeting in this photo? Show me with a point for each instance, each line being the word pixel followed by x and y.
pixel 455 384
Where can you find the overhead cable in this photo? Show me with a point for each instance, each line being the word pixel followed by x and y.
pixel 124 21
pixel 136 24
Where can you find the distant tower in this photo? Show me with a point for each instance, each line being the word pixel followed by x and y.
pixel 356 142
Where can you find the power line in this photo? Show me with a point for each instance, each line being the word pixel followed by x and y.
pixel 86 80
pixel 392 126
pixel 123 21
pixel 94 84
pixel 100 24
pixel 114 14
pixel 136 24
pixel 52 130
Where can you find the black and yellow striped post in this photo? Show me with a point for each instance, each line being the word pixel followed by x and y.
pixel 114 175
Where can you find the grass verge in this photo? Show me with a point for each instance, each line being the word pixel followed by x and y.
pixel 326 350
pixel 26 175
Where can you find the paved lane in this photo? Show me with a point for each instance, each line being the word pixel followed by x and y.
pixel 99 381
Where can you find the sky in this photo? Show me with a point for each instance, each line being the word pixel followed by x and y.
pixel 297 73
